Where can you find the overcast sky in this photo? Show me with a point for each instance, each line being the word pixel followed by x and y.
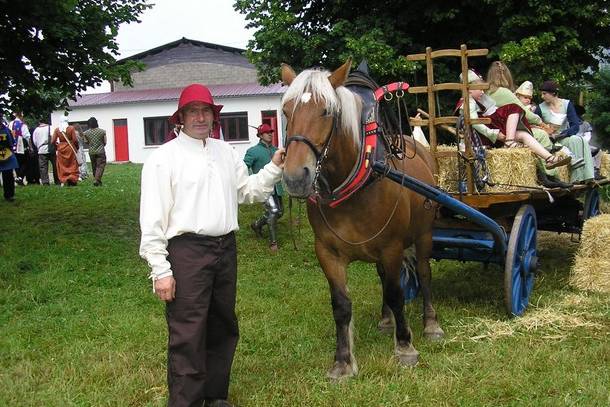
pixel 212 21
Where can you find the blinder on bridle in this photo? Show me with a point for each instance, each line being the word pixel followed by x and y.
pixel 320 155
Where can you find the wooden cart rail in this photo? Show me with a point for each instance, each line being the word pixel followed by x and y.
pixel 431 88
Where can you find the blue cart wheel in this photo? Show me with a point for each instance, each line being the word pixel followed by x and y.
pixel 591 206
pixel 521 261
pixel 409 282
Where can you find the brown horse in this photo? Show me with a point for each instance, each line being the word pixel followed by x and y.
pixel 374 225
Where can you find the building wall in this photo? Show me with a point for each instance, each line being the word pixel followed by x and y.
pixel 179 75
pixel 136 112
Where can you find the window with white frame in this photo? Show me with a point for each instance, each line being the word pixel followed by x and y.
pixel 156 130
pixel 234 126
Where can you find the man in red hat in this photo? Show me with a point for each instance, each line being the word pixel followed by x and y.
pixel 256 158
pixel 191 187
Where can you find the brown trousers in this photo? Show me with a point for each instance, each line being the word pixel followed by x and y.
pixel 201 320
pixel 98 164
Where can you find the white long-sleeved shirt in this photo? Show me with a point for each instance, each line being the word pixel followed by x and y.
pixel 40 138
pixel 189 186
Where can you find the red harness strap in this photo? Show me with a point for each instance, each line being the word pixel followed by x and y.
pixel 364 171
pixel 392 87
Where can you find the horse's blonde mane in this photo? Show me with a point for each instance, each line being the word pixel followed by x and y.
pixel 337 101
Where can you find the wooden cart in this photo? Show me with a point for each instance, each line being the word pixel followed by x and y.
pixel 491 227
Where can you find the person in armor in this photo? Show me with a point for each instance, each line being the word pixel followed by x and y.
pixel 256 158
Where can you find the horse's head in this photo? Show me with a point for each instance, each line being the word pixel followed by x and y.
pixel 316 106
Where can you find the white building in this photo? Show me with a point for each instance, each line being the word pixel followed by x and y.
pixel 135 119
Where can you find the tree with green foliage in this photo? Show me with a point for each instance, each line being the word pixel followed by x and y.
pixel 539 40
pixel 50 50
pixel 599 106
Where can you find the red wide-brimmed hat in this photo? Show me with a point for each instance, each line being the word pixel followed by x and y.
pixel 196 93
pixel 264 128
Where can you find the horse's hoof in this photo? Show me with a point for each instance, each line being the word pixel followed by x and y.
pixel 341 370
pixel 434 334
pixel 386 326
pixel 407 356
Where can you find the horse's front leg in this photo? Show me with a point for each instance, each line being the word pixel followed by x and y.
pixel 393 295
pixel 335 268
pixel 423 248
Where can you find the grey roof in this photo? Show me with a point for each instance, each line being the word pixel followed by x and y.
pixel 187 50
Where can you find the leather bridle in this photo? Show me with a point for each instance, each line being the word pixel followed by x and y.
pixel 320 155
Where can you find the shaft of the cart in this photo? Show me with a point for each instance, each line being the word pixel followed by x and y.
pixel 497 246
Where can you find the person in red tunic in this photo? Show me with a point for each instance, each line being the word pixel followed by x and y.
pixel 66 142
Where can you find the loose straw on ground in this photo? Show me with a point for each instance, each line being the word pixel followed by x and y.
pixel 554 321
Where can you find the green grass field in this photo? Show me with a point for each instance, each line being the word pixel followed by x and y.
pixel 79 325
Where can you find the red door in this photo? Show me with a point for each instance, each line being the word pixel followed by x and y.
pixel 270 117
pixel 121 143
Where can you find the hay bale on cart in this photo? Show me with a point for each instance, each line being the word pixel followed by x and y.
pixel 510 169
pixel 605 166
pixel 591 270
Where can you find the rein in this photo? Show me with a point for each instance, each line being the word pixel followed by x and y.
pixel 374 236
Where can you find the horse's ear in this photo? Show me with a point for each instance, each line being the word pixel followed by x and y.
pixel 339 76
pixel 288 74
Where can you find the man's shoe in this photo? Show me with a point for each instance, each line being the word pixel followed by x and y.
pixel 217 403
pixel 548 181
pixel 558 183
pixel 597 175
pixel 10 199
pixel 257 229
pixel 273 247
pixel 543 179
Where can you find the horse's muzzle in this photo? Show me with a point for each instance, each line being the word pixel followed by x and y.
pixel 299 184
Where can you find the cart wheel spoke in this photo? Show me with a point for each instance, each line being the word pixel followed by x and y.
pixel 521 261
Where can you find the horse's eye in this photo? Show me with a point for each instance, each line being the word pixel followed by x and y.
pixel 324 112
